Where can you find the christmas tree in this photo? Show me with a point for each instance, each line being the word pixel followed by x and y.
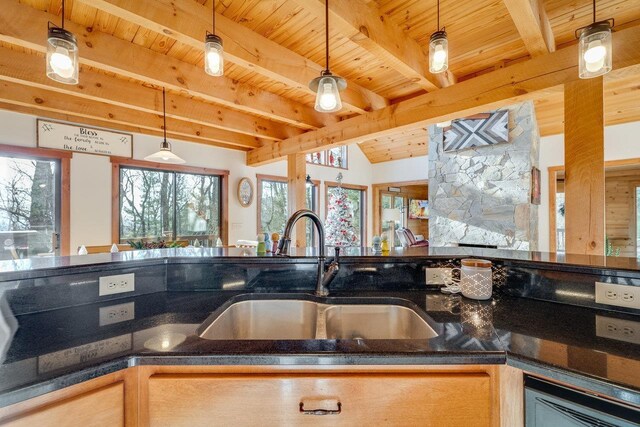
pixel 339 224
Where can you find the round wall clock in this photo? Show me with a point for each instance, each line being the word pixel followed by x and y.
pixel 245 192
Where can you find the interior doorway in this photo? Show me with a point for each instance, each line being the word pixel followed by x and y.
pixel 392 203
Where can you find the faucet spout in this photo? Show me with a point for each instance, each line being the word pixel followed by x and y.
pixel 323 279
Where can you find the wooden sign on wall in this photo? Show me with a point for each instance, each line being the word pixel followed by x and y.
pixel 83 139
pixel 477 131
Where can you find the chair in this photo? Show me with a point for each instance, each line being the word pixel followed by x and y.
pixel 409 240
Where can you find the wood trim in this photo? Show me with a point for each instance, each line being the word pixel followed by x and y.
pixel 116 162
pixel 65 184
pixel 168 167
pixel 553 189
pixel 365 213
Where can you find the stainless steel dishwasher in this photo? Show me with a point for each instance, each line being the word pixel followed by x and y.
pixel 552 405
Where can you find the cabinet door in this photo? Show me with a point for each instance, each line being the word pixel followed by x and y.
pixel 307 399
pixel 100 408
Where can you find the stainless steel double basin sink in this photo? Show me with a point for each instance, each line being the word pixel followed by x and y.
pixel 302 319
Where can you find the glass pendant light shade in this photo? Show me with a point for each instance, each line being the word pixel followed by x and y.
pixel 438 52
pixel 327 89
pixel 595 57
pixel 165 155
pixel 213 55
pixel 444 124
pixel 62 56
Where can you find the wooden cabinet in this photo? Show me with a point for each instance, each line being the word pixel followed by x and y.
pixel 325 399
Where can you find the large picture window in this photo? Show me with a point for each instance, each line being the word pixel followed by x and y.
pixel 31 200
pixel 173 204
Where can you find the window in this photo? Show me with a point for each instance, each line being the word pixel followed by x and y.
pixel 173 204
pixel 335 157
pixel 31 199
pixel 357 196
pixel 273 210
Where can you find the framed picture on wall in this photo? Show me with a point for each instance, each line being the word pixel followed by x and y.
pixel 535 186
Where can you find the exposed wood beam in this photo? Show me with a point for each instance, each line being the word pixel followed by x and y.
pixel 187 22
pixel 25 68
pixel 584 167
pixel 29 96
pixel 533 25
pixel 297 194
pixel 27 27
pixel 525 80
pixel 364 25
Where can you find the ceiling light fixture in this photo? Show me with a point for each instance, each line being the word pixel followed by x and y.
pixel 444 124
pixel 327 86
pixel 62 54
pixel 438 49
pixel 595 47
pixel 213 58
pixel 165 155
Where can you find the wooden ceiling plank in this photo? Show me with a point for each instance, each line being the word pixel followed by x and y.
pixel 522 81
pixel 187 22
pixel 533 24
pixel 41 99
pixel 364 25
pixel 24 68
pixel 25 26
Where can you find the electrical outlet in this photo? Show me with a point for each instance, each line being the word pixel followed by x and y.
pixel 618 329
pixel 438 276
pixel 618 295
pixel 117 313
pixel 116 284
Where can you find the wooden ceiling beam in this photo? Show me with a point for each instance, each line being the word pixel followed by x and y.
pixel 364 25
pixel 26 69
pixel 525 80
pixel 45 100
pixel 188 21
pixel 27 27
pixel 533 24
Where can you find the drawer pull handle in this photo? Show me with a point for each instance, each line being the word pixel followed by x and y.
pixel 320 411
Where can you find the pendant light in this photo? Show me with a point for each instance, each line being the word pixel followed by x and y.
pixel 444 124
pixel 62 54
pixel 213 59
pixel 438 49
pixel 164 155
pixel 327 86
pixel 595 47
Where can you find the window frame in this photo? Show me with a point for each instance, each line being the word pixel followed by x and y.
pixel 365 201
pixel 63 198
pixel 117 162
pixel 325 158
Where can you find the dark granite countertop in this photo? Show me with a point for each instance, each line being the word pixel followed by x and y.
pixel 40 266
pixel 57 348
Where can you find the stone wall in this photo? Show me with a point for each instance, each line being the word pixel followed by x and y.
pixel 482 195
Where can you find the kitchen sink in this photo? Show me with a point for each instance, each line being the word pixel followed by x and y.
pixel 299 319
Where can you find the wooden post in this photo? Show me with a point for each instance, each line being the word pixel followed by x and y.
pixel 296 180
pixel 584 167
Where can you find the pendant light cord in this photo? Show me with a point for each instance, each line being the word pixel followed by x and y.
pixel 326 33
pixel 438 27
pixel 213 15
pixel 63 14
pixel 594 10
pixel 164 116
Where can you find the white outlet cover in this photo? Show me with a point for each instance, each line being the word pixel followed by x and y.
pixel 605 290
pixel 117 313
pixel 116 284
pixel 618 329
pixel 438 276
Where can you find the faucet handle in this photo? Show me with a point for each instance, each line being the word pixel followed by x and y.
pixel 337 254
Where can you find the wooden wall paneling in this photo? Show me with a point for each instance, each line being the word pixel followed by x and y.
pixel 26 69
pixel 20 23
pixel 522 81
pixel 584 167
pixel 297 193
pixel 186 21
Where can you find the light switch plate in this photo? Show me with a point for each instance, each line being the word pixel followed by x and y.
pixel 618 295
pixel 117 313
pixel 618 329
pixel 116 284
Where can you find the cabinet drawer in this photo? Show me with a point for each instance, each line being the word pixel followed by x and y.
pixel 345 399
